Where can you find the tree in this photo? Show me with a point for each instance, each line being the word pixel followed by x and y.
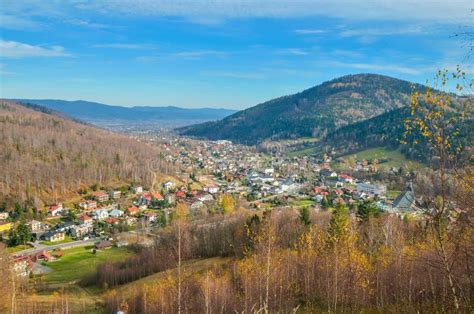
pixel 181 214
pixel 437 122
pixel 367 210
pixel 305 216
pixel 228 204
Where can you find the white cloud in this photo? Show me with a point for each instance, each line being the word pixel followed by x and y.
pixel 18 23
pixel 379 67
pixel 86 23
pixel 309 31
pixel 13 49
pixel 292 51
pixel 199 54
pixel 434 10
pixel 383 31
pixel 3 71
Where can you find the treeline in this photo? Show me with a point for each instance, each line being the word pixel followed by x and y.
pixel 44 157
pixel 286 260
pixel 211 238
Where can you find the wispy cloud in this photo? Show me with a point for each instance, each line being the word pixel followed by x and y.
pixel 13 49
pixel 434 10
pixel 308 31
pixel 125 46
pixel 292 51
pixel 379 67
pixel 383 31
pixel 18 23
pixel 86 23
pixel 198 54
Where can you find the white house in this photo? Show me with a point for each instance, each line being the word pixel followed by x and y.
pixel 116 213
pixel 100 214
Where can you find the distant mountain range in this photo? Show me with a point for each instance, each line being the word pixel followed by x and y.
pixel 314 112
pixel 97 113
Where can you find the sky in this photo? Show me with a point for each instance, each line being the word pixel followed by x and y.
pixel 222 54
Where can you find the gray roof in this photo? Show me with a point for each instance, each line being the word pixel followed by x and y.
pixel 406 200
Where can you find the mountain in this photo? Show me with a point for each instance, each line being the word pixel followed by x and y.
pixel 97 113
pixel 314 112
pixel 45 157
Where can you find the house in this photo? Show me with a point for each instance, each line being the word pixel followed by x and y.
pixel 103 245
pixel 150 217
pixel 137 189
pixel 373 189
pixel 169 185
pixel 41 256
pixel 100 214
pixel 22 265
pixel 35 226
pixel 115 194
pixel 64 226
pixel 131 211
pixel 80 231
pixel 100 196
pixel 88 205
pixel 54 236
pixel 55 209
pixel 211 189
pixel 5 226
pixel 196 205
pixel 4 215
pixel 85 220
pixel 346 178
pixel 205 197
pixel 180 194
pixel 115 213
pixel 269 171
pixel 111 221
pixel 149 196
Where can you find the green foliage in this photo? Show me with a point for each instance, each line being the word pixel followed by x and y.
pixel 305 216
pixel 338 226
pixel 21 234
pixel 367 210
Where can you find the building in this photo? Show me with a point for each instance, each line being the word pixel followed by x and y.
pixel 86 220
pixel 103 245
pixel 4 215
pixel 115 213
pixel 88 205
pixel 211 189
pixel 131 211
pixel 22 266
pixel 372 189
pixel 100 196
pixel 100 214
pixel 5 226
pixel 169 185
pixel 55 209
pixel 80 231
pixel 406 201
pixel 54 236
pixel 115 194
pixel 137 189
pixel 36 226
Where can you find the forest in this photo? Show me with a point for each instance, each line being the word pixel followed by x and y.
pixel 45 157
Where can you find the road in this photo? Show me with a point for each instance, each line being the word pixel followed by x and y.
pixel 67 245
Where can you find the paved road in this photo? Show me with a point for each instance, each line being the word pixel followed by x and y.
pixel 56 246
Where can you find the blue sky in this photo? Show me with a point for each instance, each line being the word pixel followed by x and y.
pixel 228 53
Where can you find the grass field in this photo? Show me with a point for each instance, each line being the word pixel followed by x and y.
pixel 78 262
pixel 394 158
pixel 303 203
pixel 14 249
pixel 66 240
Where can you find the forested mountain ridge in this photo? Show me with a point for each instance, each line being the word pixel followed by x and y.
pixel 93 111
pixel 313 112
pixel 44 157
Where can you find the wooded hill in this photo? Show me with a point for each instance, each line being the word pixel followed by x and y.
pixel 44 157
pixel 314 112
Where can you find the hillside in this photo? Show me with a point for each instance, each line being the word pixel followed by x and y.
pixel 314 112
pixel 96 113
pixel 44 157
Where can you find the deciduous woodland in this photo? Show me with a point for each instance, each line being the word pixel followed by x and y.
pixel 44 157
